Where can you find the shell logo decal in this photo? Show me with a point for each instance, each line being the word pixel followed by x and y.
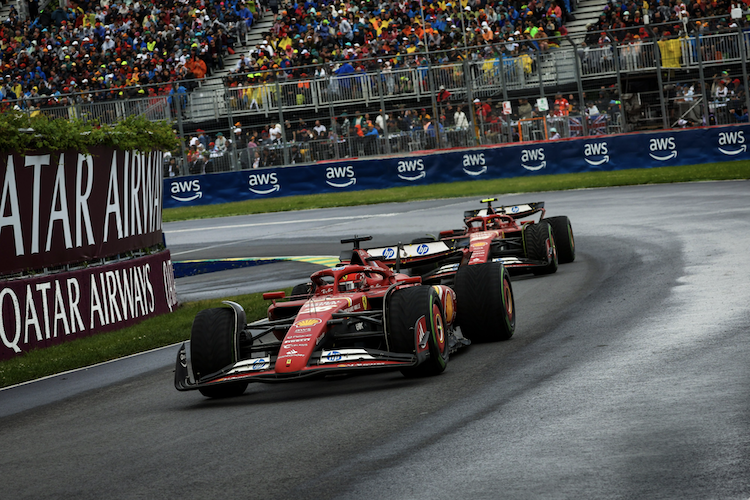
pixel 479 244
pixel 308 322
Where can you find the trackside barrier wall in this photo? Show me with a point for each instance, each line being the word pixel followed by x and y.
pixel 51 309
pixel 595 153
pixel 70 207
pixel 80 241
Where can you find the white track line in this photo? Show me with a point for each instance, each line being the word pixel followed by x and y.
pixel 297 221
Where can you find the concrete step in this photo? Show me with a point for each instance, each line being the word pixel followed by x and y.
pixel 207 102
pixel 587 12
pixel 254 37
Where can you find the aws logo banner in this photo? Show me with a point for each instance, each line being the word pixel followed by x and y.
pixel 662 148
pixel 474 164
pixel 533 159
pixel 411 170
pixel 263 184
pixel 596 153
pixel 340 177
pixel 186 191
pixel 732 143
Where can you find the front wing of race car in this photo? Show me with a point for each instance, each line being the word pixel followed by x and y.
pixel 257 362
pixel 261 369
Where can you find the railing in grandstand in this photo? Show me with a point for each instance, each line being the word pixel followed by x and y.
pixel 340 147
pixel 488 77
pixel 106 112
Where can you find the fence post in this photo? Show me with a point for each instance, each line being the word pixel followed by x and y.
pixel 470 94
pixel 231 134
pixel 657 63
pixel 435 110
pixel 584 120
pixel 618 71
pixel 284 148
pixel 383 112
pixel 502 77
pixel 704 95
pixel 177 101
pixel 539 72
pixel 743 53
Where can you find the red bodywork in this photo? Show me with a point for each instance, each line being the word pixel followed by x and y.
pixel 303 335
pixel 490 234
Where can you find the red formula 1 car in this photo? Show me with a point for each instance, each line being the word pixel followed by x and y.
pixel 358 316
pixel 492 234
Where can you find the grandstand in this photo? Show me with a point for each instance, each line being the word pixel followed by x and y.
pixel 409 85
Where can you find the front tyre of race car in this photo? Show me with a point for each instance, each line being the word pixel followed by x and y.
pixel 214 344
pixel 416 325
pixel 539 245
pixel 564 241
pixel 486 310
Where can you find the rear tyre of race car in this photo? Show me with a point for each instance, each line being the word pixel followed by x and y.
pixel 415 321
pixel 564 241
pixel 536 238
pixel 214 345
pixel 486 310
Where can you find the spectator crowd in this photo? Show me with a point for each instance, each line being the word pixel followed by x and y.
pixel 123 48
pixel 117 49
pixel 321 38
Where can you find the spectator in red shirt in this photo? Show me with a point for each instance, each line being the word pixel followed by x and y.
pixel 563 104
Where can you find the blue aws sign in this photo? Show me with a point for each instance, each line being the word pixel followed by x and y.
pixel 614 152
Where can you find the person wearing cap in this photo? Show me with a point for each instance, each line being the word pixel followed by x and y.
pixel 275 133
pixel 482 110
pixel 553 134
pixel 721 93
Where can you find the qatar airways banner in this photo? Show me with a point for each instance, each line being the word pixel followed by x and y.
pixel 72 207
pixel 586 154
pixel 52 309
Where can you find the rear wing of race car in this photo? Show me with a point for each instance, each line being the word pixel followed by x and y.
pixel 515 211
pixel 415 254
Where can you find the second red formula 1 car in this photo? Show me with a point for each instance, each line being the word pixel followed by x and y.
pixel 491 234
pixel 361 315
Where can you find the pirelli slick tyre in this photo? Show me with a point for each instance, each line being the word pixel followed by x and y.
pixel 564 241
pixel 486 310
pixel 536 238
pixel 214 345
pixel 415 321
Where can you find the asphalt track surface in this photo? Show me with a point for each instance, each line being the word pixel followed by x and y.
pixel 628 377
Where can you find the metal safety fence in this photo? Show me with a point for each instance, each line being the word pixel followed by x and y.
pixel 492 96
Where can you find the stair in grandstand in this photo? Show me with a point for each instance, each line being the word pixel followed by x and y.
pixel 586 12
pixel 5 10
pixel 254 37
pixel 208 102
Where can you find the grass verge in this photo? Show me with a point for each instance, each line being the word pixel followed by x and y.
pixel 149 334
pixel 690 173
